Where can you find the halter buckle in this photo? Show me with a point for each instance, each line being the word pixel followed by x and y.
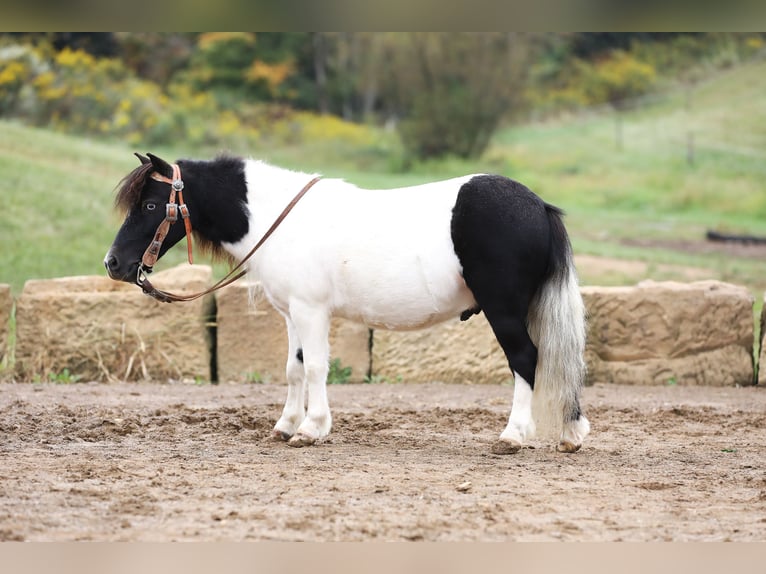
pixel 171 212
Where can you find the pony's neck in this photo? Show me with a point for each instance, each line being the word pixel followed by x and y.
pixel 268 183
pixel 216 193
pixel 270 190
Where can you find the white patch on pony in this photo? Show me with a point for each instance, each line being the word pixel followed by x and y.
pixel 573 435
pixel 383 264
pixel 520 426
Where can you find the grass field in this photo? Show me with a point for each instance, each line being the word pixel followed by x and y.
pixel 637 203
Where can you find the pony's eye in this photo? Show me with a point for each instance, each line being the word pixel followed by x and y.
pixel 149 206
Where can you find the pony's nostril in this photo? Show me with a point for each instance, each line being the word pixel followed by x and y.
pixel 111 262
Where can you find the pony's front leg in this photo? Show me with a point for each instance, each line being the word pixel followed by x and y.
pixel 294 410
pixel 312 326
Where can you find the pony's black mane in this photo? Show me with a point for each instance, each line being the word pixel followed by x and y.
pixel 130 188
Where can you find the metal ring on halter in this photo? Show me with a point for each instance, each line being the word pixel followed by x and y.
pixel 141 274
pixel 178 184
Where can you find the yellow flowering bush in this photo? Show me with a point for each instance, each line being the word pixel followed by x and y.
pixel 272 75
pixel 18 67
pixel 300 127
pixel 73 91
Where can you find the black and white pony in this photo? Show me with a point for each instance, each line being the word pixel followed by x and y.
pixel 393 259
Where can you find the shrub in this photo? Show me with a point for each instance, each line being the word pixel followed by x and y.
pixel 615 79
pixel 454 90
pixel 75 92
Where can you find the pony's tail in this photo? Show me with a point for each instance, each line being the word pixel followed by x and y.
pixel 556 324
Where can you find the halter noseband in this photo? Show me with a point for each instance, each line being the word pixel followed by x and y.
pixel 172 208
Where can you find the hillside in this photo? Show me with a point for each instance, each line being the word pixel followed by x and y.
pixel 642 203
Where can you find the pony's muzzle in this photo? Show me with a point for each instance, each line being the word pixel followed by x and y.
pixel 117 270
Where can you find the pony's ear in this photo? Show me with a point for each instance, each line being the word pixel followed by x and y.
pixel 142 158
pixel 160 165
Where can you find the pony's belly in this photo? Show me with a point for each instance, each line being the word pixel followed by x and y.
pixel 407 323
pixel 407 310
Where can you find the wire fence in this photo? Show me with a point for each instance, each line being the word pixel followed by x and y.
pixel 677 121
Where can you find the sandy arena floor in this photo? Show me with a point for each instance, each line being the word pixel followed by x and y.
pixel 161 462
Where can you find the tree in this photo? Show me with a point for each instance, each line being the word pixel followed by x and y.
pixel 156 56
pixel 616 80
pixel 348 68
pixel 452 90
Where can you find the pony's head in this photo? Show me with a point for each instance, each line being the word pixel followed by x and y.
pixel 143 199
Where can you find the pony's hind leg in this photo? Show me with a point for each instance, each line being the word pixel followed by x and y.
pixel 576 428
pixel 507 321
pixel 294 410
pixel 520 424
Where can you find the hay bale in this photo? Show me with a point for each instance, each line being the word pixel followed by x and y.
pixel 452 352
pixel 101 329
pixel 252 338
pixel 6 304
pixel 697 333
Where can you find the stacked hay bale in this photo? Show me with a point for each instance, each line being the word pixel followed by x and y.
pixel 451 352
pixel 653 333
pixel 99 329
pixel 670 333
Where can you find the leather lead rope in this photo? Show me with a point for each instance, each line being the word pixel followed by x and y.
pixel 234 274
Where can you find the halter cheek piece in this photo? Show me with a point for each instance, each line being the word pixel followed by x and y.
pixel 152 252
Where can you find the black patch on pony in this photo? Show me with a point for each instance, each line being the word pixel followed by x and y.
pixel 215 192
pixel 502 234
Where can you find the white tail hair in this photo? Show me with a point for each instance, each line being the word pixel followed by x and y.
pixel 556 325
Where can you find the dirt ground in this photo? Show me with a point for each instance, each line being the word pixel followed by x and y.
pixel 161 462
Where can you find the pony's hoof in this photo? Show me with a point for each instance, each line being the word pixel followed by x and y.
pixel 280 436
pixel 300 440
pixel 505 446
pixel 566 446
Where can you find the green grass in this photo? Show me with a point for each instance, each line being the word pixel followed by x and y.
pixel 57 190
pixel 337 373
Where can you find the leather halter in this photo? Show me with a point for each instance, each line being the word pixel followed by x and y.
pixel 150 257
pixel 172 208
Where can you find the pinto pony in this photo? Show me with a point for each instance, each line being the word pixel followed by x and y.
pixel 397 259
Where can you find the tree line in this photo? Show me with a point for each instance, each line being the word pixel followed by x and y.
pixel 445 93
